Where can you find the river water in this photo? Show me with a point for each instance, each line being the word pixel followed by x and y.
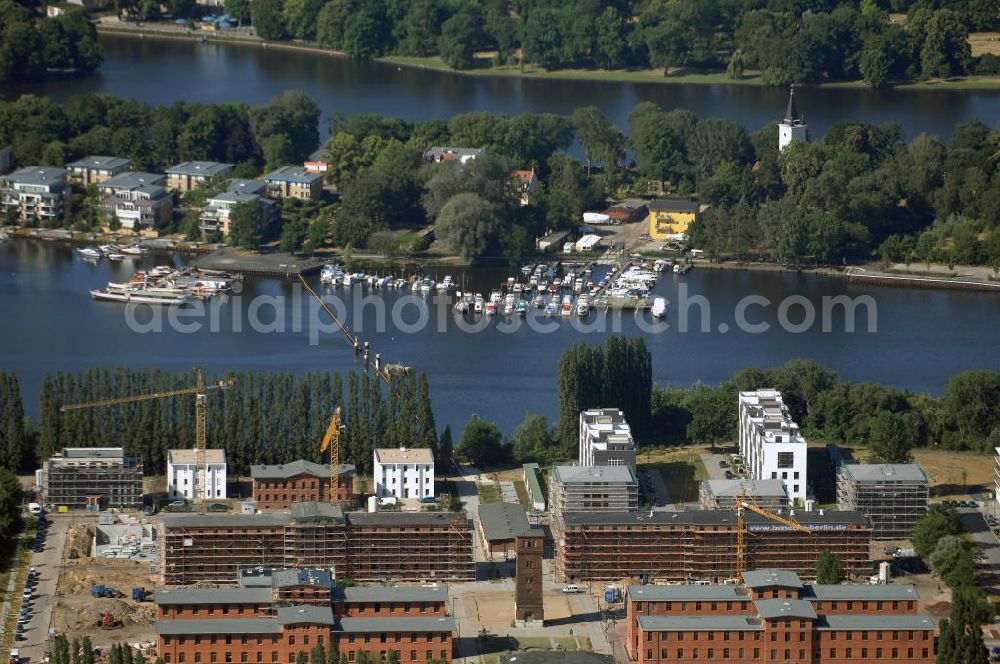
pixel 164 71
pixel 50 324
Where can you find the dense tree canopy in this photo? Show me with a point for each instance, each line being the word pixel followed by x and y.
pixel 33 46
pixel 816 41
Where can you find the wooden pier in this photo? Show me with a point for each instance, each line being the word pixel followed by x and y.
pixel 910 281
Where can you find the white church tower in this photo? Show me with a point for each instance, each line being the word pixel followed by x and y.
pixel 792 127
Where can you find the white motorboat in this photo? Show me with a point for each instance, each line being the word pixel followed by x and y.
pixel 551 309
pixel 496 296
pixel 567 305
pixel 478 304
pixel 89 252
pixel 133 250
pixel 539 301
pixel 115 256
pixel 143 296
pixel 659 308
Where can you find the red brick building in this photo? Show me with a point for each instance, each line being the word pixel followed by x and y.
pixel 774 617
pixel 374 547
pixel 698 544
pixel 277 486
pixel 253 624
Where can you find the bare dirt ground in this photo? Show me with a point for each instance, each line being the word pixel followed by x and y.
pixel 956 473
pixel 77 612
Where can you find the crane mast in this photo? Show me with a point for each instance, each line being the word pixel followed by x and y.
pixel 331 442
pixel 745 502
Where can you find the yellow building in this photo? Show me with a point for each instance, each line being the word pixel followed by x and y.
pixel 670 216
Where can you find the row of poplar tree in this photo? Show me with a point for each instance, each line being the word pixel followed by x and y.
pixel 260 418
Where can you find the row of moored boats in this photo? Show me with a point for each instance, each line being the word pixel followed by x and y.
pixel 113 252
pixel 167 285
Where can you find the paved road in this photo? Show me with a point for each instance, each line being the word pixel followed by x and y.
pixel 48 564
pixel 469 495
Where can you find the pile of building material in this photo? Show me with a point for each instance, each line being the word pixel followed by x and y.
pixel 120 610
pixel 126 541
pixel 79 539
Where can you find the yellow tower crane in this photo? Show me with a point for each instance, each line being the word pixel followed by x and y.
pixel 200 392
pixel 745 502
pixel 331 442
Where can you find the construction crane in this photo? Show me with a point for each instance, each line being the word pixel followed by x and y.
pixel 200 392
pixel 331 442
pixel 745 502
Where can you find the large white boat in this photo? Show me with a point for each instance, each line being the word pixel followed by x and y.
pixel 331 274
pixel 659 308
pixel 89 252
pixel 133 250
pixel 151 296
pixel 478 305
pixel 582 306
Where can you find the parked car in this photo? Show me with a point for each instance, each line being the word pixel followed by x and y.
pixel 572 589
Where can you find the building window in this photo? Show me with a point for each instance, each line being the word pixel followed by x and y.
pixel 786 459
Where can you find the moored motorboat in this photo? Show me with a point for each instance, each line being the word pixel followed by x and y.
pixel 659 308
pixel 89 252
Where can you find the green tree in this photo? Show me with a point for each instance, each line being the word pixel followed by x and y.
pixel 238 9
pixel 268 20
pixel 481 443
pixel 532 441
pixel 712 421
pixel 946 50
pixel 458 41
pixel 938 522
pixel 364 34
pixel 467 224
pixel 829 569
pixel 245 225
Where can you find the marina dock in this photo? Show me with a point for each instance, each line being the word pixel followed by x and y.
pixel 278 264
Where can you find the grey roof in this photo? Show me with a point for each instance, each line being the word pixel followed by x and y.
pixel 200 168
pixel 503 521
pixel 829 519
pixel 226 520
pixel 673 205
pixel 214 596
pixel 884 472
pixel 438 624
pixel 362 594
pixel 861 591
pixel 37 175
pixel 315 615
pixel 293 174
pixel 767 578
pixel 556 657
pixel 132 180
pixel 756 488
pixel 234 197
pixel 219 626
pixel 300 467
pixel 875 622
pixel 401 518
pixel 243 185
pixel 98 162
pixel 592 474
pixel 316 510
pixel 93 452
pixel 785 608
pixel 698 623
pixel 714 592
pixel 282 578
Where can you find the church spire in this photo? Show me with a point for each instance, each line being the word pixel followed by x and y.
pixel 792 116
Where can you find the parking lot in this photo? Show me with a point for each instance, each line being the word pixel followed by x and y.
pixel 45 560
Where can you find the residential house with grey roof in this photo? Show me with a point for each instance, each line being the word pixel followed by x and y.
pixel 191 174
pixel 593 489
pixel 96 169
pixel 137 200
pixel 294 182
pixel 215 217
pixel 35 194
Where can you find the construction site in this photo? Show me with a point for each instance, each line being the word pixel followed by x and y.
pixel 367 547
pixel 705 545
pixel 92 478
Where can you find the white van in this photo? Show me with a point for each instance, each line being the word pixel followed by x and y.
pixel 34 508
pixel 571 589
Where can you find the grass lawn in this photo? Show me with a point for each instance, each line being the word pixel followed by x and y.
pixel 522 494
pixel 682 475
pixel 488 493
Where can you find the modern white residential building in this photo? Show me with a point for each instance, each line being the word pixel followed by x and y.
pixel 606 439
pixel 181 470
pixel 96 168
pixel 770 442
pixel 137 199
pixel 404 473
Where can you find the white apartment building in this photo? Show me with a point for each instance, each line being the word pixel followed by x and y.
pixel 182 469
pixel 605 439
pixel 404 473
pixel 770 442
